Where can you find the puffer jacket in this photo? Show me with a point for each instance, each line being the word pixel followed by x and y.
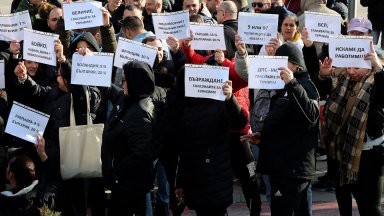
pixel 127 148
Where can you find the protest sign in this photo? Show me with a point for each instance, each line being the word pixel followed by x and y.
pixel 264 72
pixel 128 50
pixel 204 81
pixel 320 26
pixel 25 122
pixel 12 25
pixel 2 76
pixel 349 51
pixel 256 28
pixel 175 24
pixel 78 15
pixel 207 36
pixel 39 46
pixel 94 70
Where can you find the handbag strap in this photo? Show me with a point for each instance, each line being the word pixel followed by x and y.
pixel 72 120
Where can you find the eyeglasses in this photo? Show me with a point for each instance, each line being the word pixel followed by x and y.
pixel 257 4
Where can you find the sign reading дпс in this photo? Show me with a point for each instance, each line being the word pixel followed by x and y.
pixel 264 72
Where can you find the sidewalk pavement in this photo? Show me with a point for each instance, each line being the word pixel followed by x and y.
pixel 324 203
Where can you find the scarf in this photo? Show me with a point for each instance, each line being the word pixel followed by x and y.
pixel 348 128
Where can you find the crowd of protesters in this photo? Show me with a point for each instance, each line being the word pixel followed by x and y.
pixel 193 148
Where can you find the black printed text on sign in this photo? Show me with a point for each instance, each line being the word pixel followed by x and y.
pixel 39 46
pixel 264 72
pixel 207 36
pixel 321 26
pixel 12 25
pixel 256 28
pixel 175 24
pixel 78 15
pixel 25 122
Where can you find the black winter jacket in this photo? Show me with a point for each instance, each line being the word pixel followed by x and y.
pixel 290 132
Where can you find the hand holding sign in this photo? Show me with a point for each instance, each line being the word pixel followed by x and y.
pixel 304 37
pixel 40 148
pixel 240 45
pixel 372 56
pixel 174 44
pixel 219 56
pixel 21 71
pixel 325 68
pixel 58 47
pixel 15 47
pixel 286 74
pixel 227 89
pixel 106 16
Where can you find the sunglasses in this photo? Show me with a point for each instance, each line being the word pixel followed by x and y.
pixel 257 4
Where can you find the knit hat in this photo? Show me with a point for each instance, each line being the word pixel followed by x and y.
pixel 294 54
pixel 360 24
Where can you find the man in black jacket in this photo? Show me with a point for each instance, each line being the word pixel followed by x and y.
pixel 227 15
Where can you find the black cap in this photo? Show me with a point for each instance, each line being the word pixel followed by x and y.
pixel 294 54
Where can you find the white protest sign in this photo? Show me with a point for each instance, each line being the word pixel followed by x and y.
pixel 256 28
pixel 78 15
pixel 349 51
pixel 128 50
pixel 94 70
pixel 175 24
pixel 204 81
pixel 264 72
pixel 320 26
pixel 12 25
pixel 2 76
pixel 207 36
pixel 25 122
pixel 39 46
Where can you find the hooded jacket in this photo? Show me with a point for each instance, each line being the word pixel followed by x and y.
pixel 87 37
pixel 127 149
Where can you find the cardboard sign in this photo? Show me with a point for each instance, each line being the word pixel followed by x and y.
pixel 204 81
pixel 320 26
pixel 349 51
pixel 39 46
pixel 264 73
pixel 25 122
pixel 12 25
pixel 207 36
pixel 2 74
pixel 94 70
pixel 128 50
pixel 78 15
pixel 256 28
pixel 175 24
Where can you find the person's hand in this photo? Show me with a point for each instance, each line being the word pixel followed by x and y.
pixel 372 56
pixel 272 46
pixel 304 37
pixel 227 89
pixel 58 47
pixel 251 138
pixel 240 45
pixel 219 56
pixel 286 74
pixel 15 47
pixel 187 41
pixel 173 43
pixel 84 51
pixel 179 193
pixel 21 71
pixel 325 67
pixel 106 16
pixel 40 148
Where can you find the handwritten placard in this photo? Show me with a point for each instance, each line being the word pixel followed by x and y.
pixel 2 76
pixel 94 70
pixel 80 14
pixel 320 26
pixel 175 24
pixel 349 51
pixel 264 72
pixel 12 25
pixel 128 50
pixel 207 36
pixel 257 28
pixel 39 46
pixel 25 122
pixel 204 81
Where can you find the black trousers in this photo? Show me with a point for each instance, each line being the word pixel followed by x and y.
pixel 241 155
pixel 123 203
pixel 288 196
pixel 367 190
